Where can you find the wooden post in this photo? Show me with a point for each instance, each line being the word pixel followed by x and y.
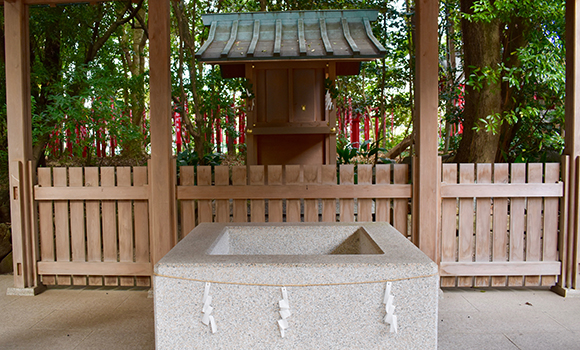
pixel 162 196
pixel 568 279
pixel 426 173
pixel 20 148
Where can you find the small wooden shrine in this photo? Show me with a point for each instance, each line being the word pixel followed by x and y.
pixel 291 60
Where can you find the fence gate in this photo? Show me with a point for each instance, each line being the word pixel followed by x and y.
pixel 93 226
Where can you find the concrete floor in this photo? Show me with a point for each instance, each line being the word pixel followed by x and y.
pixel 123 319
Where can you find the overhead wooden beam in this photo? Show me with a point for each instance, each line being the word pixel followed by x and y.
pixel 56 2
pixel 426 174
pixel 161 167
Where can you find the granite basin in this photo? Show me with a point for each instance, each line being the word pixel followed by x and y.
pixel 334 277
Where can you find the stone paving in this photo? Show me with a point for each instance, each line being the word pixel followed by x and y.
pixel 111 318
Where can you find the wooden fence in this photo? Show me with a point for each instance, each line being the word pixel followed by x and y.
pixel 294 193
pixel 93 226
pixel 500 223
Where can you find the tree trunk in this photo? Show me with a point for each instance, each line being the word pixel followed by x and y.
pixel 514 39
pixel 482 48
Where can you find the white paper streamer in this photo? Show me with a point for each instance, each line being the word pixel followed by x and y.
pixel 328 101
pixel 284 312
pixel 390 317
pixel 207 319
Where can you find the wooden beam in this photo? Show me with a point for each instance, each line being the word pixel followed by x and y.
pixel 255 38
pixel 301 40
pixel 499 268
pixel 348 37
pixel 55 2
pixel 20 143
pixel 278 38
pixel 501 190
pixel 294 192
pixel 162 203
pixel 91 193
pixel 209 40
pixel 95 268
pixel 325 40
pixel 427 172
pixel 572 145
pixel 232 40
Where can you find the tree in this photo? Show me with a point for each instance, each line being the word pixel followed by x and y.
pixel 513 62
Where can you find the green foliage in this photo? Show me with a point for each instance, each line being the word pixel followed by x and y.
pixel 190 157
pixel 368 153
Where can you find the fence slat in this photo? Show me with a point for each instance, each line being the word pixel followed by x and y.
pixel 312 175
pixel 401 206
pixel 550 239
pixel 94 241
pixel 365 206
pixel 483 224
pixel 125 222
pixel 204 208
pixel 109 225
pixel 275 208
pixel 46 224
pixel 347 205
pixel 383 205
pixel 222 178
pixel 500 223
pixel 293 176
pixel 187 178
pixel 257 206
pixel 329 205
pixel 465 252
pixel 449 224
pixel 534 223
pixel 77 224
pixel 517 223
pixel 61 224
pixel 141 226
pixel 239 178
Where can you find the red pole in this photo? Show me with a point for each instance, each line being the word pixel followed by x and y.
pixel 367 125
pixel 355 134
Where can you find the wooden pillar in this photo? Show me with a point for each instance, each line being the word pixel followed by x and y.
pixel 569 241
pixel 161 182
pixel 24 242
pixel 426 172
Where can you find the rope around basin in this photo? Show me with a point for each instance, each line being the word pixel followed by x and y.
pixel 295 285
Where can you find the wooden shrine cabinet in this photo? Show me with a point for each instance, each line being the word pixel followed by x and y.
pixel 289 58
pixel 289 122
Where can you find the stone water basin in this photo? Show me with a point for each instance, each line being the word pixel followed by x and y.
pixel 334 276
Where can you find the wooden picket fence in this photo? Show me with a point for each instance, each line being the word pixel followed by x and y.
pixel 93 226
pixel 499 224
pixel 295 193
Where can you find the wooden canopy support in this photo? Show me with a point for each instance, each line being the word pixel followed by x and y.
pixel 20 146
pixel 569 232
pixel 162 182
pixel 426 174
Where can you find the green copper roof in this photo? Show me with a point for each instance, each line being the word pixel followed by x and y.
pixel 331 34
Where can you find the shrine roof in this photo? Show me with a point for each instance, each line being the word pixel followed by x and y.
pixel 330 34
